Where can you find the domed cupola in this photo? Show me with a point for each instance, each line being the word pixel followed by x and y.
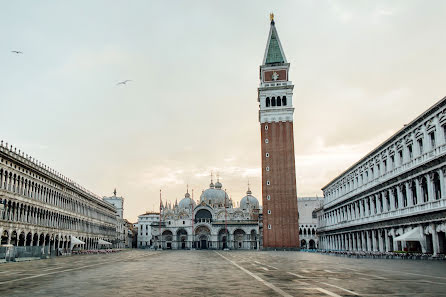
pixel 186 202
pixel 218 184
pixel 249 201
pixel 215 196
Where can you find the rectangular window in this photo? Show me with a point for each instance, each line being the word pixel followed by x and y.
pixel 432 136
pixel 409 148
pixel 392 162
pixel 400 153
pixel 420 145
pixel 385 166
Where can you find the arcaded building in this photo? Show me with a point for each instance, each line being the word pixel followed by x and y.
pixel 394 198
pixel 308 222
pixel 279 198
pixel 41 207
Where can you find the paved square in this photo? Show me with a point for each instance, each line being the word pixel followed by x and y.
pixel 220 273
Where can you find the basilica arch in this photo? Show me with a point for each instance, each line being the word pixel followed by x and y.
pixel 203 237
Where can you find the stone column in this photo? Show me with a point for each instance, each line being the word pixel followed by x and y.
pixel 380 241
pixel 430 187
pixel 368 241
pixel 423 240
pixel 355 241
pixel 385 206
pixel 363 241
pixel 372 206
pixel 441 176
pixel 392 200
pixel 400 196
pixel 375 244
pixel 435 241
pixel 387 240
pixel 419 192
pixel 409 194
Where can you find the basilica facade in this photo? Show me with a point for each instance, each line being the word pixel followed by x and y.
pixel 211 223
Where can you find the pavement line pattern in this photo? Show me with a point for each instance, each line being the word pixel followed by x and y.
pixel 328 292
pixel 305 271
pixel 268 284
pixel 340 288
pixel 49 273
pixel 298 275
pixel 60 271
pixel 366 274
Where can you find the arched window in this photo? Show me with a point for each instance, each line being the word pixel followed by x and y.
pixel 268 102
pixel 437 189
pixel 284 101
pixel 413 190
pixel 395 196
pixel 273 101
pixel 300 231
pixel 403 190
pixel 424 190
pixel 279 102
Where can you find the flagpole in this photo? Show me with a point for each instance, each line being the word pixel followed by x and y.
pixel 159 230
pixel 226 221
pixel 192 202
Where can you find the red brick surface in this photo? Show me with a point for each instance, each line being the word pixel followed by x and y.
pixel 282 176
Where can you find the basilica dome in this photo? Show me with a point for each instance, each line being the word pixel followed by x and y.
pixel 186 202
pixel 215 196
pixel 249 201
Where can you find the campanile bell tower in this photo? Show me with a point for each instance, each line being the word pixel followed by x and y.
pixel 279 197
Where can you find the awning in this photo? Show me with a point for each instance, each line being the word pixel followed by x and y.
pixel 412 235
pixel 100 241
pixel 75 241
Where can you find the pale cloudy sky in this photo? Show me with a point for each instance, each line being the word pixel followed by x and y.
pixel 361 70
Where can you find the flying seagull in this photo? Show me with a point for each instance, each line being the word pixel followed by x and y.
pixel 124 82
pixel 17 52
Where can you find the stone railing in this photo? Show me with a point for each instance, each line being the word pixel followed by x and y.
pixel 416 161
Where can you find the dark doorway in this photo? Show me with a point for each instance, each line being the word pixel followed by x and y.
pixel 203 244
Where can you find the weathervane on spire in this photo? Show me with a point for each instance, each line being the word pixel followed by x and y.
pixel 114 192
pixel 271 17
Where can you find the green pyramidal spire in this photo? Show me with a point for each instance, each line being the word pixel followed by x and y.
pixel 274 53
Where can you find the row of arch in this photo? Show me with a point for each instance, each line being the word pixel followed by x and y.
pixel 15 183
pixel 15 211
pixel 310 244
pixel 44 239
pixel 273 101
pixel 417 191
pixel 204 239
pixel 307 231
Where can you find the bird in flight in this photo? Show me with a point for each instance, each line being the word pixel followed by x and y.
pixel 17 52
pixel 124 82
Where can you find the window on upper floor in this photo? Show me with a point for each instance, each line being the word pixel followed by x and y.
pixel 284 101
pixel 385 166
pixel 409 148
pixel 392 162
pixel 432 137
pixel 279 102
pixel 400 154
pixel 268 102
pixel 420 145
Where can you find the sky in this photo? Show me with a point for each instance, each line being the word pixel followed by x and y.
pixel 361 70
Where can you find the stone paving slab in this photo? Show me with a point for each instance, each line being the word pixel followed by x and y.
pixel 221 273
